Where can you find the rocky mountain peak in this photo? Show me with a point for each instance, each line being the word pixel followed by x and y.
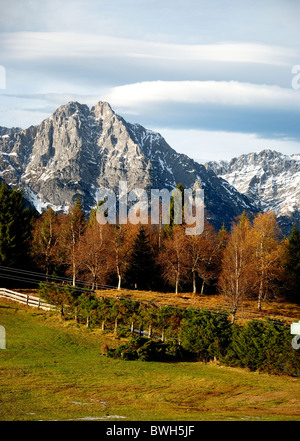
pixel 103 110
pixel 77 150
pixel 270 179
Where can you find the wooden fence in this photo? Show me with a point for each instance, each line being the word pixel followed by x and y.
pixel 26 299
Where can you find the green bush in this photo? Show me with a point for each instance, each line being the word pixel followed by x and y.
pixel 263 345
pixel 147 350
pixel 206 333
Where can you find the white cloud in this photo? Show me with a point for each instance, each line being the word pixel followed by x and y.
pixel 231 93
pixel 35 45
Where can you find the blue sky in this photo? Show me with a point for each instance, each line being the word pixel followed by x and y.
pixel 213 77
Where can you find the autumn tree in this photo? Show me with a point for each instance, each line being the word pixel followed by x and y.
pixel 236 276
pixel 93 253
pixel 121 242
pixel 173 257
pixel 267 259
pixel 72 226
pixel 203 250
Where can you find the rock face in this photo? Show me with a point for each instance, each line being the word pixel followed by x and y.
pixel 78 150
pixel 269 179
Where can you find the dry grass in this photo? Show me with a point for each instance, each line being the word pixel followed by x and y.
pixel 278 309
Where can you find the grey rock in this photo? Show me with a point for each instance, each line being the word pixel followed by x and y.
pixel 271 180
pixel 77 150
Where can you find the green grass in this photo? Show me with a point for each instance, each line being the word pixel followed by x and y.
pixel 53 370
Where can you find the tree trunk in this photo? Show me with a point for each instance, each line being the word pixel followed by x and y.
pixel 202 287
pixel 176 286
pixel 94 281
pixel 233 314
pixel 119 280
pixel 177 276
pixel 74 272
pixel 260 295
pixel 194 283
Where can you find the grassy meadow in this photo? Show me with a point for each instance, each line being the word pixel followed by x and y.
pixel 53 370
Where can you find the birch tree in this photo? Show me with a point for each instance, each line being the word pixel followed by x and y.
pixel 236 278
pixel 93 253
pixel 72 226
pixel 202 256
pixel 267 254
pixel 174 256
pixel 121 241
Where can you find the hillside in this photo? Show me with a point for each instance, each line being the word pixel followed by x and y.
pixel 54 371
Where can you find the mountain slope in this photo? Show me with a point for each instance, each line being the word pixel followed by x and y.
pixel 269 179
pixel 77 150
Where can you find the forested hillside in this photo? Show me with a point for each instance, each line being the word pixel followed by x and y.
pixel 252 260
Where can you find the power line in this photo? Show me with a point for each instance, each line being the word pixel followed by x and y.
pixel 37 278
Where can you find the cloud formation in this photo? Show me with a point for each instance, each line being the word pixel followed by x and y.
pixel 230 93
pixel 39 45
pixel 209 66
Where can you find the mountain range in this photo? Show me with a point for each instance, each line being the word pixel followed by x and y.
pixel 271 181
pixel 79 149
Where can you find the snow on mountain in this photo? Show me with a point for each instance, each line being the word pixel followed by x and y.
pixel 79 149
pixel 271 180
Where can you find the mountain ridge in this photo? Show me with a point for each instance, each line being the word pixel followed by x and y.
pixel 270 179
pixel 79 149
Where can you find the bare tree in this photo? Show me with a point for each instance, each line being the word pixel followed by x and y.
pixel 237 273
pixel 173 257
pixel 121 240
pixel 203 253
pixel 72 226
pixel 93 253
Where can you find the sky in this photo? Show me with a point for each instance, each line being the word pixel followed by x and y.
pixel 216 78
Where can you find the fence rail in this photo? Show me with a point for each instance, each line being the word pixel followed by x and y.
pixel 26 299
